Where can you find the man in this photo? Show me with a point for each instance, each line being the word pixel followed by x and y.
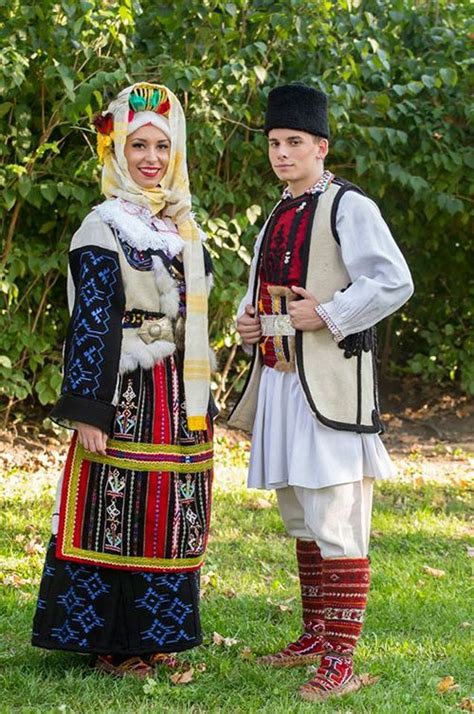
pixel 326 270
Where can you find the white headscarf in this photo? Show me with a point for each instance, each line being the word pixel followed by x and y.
pixel 171 198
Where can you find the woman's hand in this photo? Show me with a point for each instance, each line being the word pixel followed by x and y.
pixel 303 312
pixel 249 327
pixel 91 438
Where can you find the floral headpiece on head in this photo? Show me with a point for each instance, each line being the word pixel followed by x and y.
pixel 143 98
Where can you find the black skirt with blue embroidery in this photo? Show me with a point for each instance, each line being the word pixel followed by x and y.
pixel 98 610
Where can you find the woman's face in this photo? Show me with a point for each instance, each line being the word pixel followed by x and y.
pixel 147 151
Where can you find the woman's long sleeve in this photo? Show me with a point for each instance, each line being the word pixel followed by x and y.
pixel 93 342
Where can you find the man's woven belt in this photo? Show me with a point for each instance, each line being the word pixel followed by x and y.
pixel 276 325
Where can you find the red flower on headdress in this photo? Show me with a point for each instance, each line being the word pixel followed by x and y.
pixel 104 123
pixel 164 107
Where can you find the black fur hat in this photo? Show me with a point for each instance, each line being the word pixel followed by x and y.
pixel 297 106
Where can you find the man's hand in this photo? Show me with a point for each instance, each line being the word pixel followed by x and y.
pixel 91 438
pixel 248 326
pixel 303 312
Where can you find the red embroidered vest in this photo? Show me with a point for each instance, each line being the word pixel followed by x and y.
pixel 281 266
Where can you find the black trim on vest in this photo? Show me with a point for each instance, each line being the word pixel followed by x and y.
pixel 338 425
pixel 364 341
pixel 359 388
pixel 376 412
pixel 255 350
pixel 345 187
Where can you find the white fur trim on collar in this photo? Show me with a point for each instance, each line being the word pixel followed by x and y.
pixel 139 228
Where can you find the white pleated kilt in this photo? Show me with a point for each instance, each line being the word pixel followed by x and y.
pixel 290 447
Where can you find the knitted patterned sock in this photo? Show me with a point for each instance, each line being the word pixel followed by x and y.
pixel 345 588
pixel 311 644
pixel 310 563
pixel 346 584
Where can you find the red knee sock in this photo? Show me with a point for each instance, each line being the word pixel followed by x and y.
pixel 346 584
pixel 345 587
pixel 310 562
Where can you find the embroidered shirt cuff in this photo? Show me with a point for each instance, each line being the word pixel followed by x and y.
pixel 330 324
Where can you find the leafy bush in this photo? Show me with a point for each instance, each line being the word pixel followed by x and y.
pixel 397 75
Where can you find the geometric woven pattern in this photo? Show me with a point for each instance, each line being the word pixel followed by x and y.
pixel 311 583
pixel 311 644
pixel 166 486
pixel 281 265
pixel 91 609
pixel 346 583
pixel 98 275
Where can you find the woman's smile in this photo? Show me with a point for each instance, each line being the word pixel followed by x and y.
pixel 150 171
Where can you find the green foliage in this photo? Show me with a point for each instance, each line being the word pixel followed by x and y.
pixel 397 75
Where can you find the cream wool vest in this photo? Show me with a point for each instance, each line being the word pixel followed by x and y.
pixel 150 291
pixel 338 380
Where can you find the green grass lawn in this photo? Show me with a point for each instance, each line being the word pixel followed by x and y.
pixel 415 632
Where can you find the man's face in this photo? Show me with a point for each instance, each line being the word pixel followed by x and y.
pixel 295 155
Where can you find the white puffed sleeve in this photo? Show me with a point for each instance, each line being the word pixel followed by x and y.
pixel 380 278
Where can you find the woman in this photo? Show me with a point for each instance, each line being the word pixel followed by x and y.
pixel 129 534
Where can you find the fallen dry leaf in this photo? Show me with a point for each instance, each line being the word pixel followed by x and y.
pixel 221 640
pixel 210 578
pixel 470 551
pixel 368 679
pixel 201 667
pixel 34 546
pixel 217 639
pixel 246 653
pixel 230 593
pixel 283 607
pixel 434 572
pixel 467 704
pixel 230 641
pixel 465 625
pixel 447 684
pixel 15 581
pixel 183 677
pixel 259 504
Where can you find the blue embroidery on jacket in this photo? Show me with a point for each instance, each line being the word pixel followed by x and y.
pixel 98 277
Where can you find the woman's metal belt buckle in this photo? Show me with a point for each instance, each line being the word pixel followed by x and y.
pixel 158 329
pixel 273 325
